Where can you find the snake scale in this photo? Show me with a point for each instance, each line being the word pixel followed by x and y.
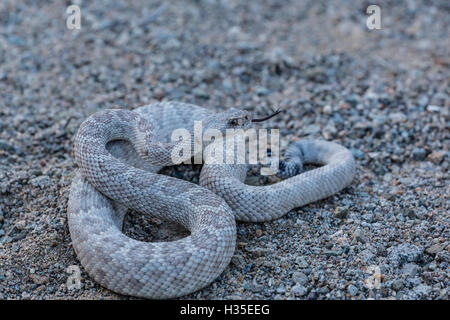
pixel 119 153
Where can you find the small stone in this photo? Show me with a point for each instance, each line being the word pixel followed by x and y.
pixel 358 235
pixel 390 196
pixel 367 217
pixel 443 255
pixel 397 285
pixel 418 154
pixel 374 155
pixel 200 93
pixel 432 266
pixel 327 109
pixel 436 157
pixel 252 180
pixel 409 213
pixel 37 279
pixel 41 182
pixel 256 252
pixel 21 235
pixel 227 84
pixel 398 117
pixel 324 290
pixel 366 255
pixel 433 108
pixel 387 177
pixel 261 91
pixel 341 212
pixel 435 248
pixel 358 154
pixel 352 100
pixel 26 295
pixel 410 269
pixel 299 290
pixel 301 262
pixel 422 290
pixel 300 278
pixel 36 173
pixel 331 253
pixel 312 129
pixel 278 56
pixel 352 290
pixel 403 253
pixel 159 94
pixel 258 232
pixel 281 289
pixel 238 261
pixel 6 147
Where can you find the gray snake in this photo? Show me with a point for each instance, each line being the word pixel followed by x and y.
pixel 119 153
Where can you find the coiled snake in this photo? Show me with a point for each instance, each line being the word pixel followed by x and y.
pixel 119 153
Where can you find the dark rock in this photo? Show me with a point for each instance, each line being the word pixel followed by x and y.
pixel 397 285
pixel 418 154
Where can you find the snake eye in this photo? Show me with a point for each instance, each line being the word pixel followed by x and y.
pixel 233 122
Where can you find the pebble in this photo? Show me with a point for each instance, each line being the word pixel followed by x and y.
pixel 238 261
pixel 38 279
pixel 330 253
pixel 41 182
pixel 433 108
pixel 418 154
pixel 312 129
pixel 410 269
pixel 422 291
pixel 299 290
pixel 397 285
pixel 281 289
pixel 358 154
pixel 352 290
pixel 301 262
pixel 359 236
pixel 435 248
pixel 300 278
pixel 341 212
pixel 7 147
pixel 368 217
pixel 436 157
pixel 366 255
pixel 327 109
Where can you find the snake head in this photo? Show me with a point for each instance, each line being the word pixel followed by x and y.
pixel 234 119
pixel 230 119
pixel 237 119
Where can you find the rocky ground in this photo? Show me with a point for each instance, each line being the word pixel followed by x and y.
pixel 384 94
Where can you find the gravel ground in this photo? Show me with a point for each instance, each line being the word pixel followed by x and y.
pixel 384 94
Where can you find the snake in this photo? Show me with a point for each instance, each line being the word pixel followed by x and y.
pixel 119 153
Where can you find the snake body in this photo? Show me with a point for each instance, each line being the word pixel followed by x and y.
pixel 119 153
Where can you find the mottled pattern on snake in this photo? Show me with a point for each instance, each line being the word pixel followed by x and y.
pixel 119 153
